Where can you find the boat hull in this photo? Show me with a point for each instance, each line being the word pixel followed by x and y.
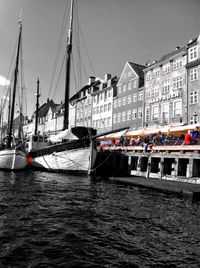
pixel 13 159
pixel 71 161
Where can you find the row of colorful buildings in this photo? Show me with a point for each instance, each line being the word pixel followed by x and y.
pixel 165 92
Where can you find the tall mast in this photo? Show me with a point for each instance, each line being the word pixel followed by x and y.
pixel 14 87
pixel 68 69
pixel 37 105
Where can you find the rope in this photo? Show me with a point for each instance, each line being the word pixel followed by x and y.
pixel 69 160
pixel 58 52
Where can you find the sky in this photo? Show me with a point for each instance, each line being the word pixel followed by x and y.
pixel 113 31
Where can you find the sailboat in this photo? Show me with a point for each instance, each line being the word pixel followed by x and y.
pixel 77 155
pixel 13 157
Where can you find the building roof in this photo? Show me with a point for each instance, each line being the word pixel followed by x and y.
pixel 43 110
pixel 168 56
pixel 77 94
pixel 138 68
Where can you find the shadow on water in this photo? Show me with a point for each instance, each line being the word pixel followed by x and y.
pixel 54 220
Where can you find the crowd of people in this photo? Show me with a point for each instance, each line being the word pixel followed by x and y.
pixel 148 141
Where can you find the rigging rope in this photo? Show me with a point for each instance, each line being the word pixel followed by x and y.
pixel 59 49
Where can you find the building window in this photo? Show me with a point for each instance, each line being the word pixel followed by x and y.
pixel 129 99
pixel 119 102
pixel 124 75
pixel 109 93
pixel 109 121
pixel 124 101
pixel 166 68
pixel 178 82
pixel 134 114
pixel 147 114
pixel 123 116
pixel 120 89
pixel 129 85
pixel 177 108
pixel 140 96
pixel 134 97
pixel 135 83
pixel 193 74
pixel 105 107
pixel 177 63
pixel 194 119
pixel 109 106
pixel 115 103
pixel 155 91
pixel 156 72
pixel 105 95
pixel 101 109
pixel 165 87
pixel 119 117
pixel 101 96
pixel 155 112
pixel 148 76
pixel 124 88
pixel 129 73
pixel 128 115
pixel 148 92
pixel 193 53
pixel 115 118
pixel 193 97
pixel 165 113
pixel 140 112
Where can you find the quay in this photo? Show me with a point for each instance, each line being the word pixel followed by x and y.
pixel 166 168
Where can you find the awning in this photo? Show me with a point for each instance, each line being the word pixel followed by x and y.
pixel 114 135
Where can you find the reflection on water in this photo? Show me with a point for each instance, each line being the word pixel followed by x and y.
pixel 56 220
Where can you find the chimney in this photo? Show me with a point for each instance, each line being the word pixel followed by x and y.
pixel 107 77
pixel 91 80
pixel 47 100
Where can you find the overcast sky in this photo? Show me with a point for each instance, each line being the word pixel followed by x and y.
pixel 115 31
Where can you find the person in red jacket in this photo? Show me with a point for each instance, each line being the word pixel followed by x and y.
pixel 189 140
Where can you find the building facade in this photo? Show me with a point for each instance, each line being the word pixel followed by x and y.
pixel 102 104
pixel 193 74
pixel 165 91
pixel 128 103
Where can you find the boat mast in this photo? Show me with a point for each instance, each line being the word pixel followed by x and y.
pixel 14 87
pixel 68 69
pixel 37 106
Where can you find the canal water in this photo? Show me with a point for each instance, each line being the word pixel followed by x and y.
pixel 55 220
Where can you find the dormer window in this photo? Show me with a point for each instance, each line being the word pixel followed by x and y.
pixel 192 53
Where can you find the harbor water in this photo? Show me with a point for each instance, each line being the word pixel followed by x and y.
pixel 57 220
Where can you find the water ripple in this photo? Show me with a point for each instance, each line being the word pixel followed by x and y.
pixel 54 220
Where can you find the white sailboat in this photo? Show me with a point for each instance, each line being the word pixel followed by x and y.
pixel 13 157
pixel 76 155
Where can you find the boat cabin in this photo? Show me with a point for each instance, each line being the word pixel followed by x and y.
pixel 37 142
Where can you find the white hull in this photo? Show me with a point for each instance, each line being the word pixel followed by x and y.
pixel 74 160
pixel 13 159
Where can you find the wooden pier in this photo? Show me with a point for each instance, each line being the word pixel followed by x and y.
pixel 171 168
